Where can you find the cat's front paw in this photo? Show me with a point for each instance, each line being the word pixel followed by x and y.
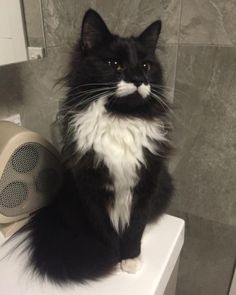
pixel 131 265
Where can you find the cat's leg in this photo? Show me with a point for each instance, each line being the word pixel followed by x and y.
pixel 130 245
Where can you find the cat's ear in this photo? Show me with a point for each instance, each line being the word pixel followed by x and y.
pixel 150 36
pixel 94 30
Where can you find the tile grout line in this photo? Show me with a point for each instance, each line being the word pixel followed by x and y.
pixel 206 45
pixel 177 51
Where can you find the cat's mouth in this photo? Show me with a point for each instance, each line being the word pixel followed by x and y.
pixel 127 88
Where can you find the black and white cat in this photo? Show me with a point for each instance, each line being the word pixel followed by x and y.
pixel 114 150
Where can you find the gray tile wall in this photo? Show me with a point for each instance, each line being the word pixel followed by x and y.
pixel 197 50
pixel 207 260
pixel 205 137
pixel 204 134
pixel 33 22
pixel 209 22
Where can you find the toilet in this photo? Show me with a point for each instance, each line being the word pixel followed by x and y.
pixel 161 247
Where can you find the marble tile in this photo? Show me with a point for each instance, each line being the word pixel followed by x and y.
pixel 205 268
pixel 63 18
pixel 167 55
pixel 208 257
pixel 33 21
pixel 28 88
pixel 208 22
pixel 10 94
pixel 133 17
pixel 39 77
pixel 204 135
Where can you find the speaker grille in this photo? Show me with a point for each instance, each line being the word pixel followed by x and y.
pixel 30 179
pixel 25 158
pixel 13 194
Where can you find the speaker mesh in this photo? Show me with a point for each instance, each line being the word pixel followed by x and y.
pixel 13 194
pixel 30 179
pixel 46 180
pixel 25 158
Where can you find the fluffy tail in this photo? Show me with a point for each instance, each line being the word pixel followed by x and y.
pixel 63 254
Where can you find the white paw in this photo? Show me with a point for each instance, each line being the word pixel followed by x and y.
pixel 131 265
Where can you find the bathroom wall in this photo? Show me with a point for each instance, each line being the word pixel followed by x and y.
pixel 197 50
pixel 205 164
pixel 33 22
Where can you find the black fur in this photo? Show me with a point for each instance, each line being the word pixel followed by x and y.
pixel 73 238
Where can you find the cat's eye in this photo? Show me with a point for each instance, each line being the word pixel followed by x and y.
pixel 116 65
pixel 146 66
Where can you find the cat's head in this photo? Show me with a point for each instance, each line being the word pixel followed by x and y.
pixel 125 70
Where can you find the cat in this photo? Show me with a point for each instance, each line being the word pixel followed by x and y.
pixel 114 148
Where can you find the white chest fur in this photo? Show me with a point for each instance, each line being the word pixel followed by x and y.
pixel 119 144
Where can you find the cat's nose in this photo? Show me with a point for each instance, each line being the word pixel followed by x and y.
pixel 137 82
pixel 135 76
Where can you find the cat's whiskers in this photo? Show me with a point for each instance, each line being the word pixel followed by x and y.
pixel 81 103
pixel 83 94
pixel 161 86
pixel 168 88
pixel 96 90
pixel 87 100
pixel 160 100
pixel 180 121
pixel 161 94
pixel 165 93
pixel 94 84
pixel 71 93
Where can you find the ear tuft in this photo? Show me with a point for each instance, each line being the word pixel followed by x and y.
pixel 94 30
pixel 150 35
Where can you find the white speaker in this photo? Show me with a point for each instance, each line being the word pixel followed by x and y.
pixel 30 172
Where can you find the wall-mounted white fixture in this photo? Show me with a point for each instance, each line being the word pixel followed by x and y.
pixel 13 39
pixel 13 46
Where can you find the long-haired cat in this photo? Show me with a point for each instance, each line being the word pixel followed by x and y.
pixel 115 149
